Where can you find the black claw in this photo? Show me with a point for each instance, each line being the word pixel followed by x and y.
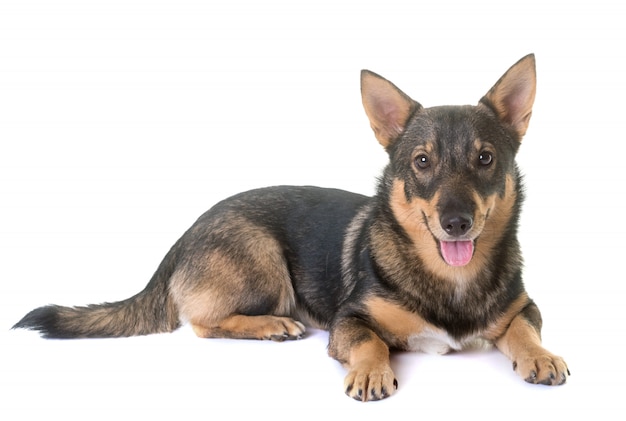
pixel 514 365
pixel 568 373
pixel 349 389
pixel 395 383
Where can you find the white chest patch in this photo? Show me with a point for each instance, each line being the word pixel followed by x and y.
pixel 432 342
pixel 439 342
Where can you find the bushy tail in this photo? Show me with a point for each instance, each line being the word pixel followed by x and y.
pixel 150 311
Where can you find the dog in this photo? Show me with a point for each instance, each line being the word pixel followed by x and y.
pixel 430 263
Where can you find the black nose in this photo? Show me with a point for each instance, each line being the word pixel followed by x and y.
pixel 456 224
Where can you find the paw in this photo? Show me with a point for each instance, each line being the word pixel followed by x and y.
pixel 239 326
pixel 280 329
pixel 370 383
pixel 543 368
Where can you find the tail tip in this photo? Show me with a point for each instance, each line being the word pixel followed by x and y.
pixel 42 319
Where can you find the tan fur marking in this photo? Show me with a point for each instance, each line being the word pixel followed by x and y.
pixel 208 300
pixel 520 338
pixel 500 209
pixel 488 229
pixel 251 327
pixel 222 284
pixel 399 322
pixel 522 344
pixel 497 329
pixel 370 376
pixel 374 351
pixel 409 216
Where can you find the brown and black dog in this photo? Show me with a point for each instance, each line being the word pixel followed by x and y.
pixel 430 263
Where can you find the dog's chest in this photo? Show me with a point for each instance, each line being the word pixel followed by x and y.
pixel 411 331
pixel 435 341
pixel 432 342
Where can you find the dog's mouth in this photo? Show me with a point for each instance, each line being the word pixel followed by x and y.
pixel 457 253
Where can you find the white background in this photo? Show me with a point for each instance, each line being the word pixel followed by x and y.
pixel 122 121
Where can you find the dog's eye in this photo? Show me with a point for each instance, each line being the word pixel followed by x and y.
pixel 422 162
pixel 485 158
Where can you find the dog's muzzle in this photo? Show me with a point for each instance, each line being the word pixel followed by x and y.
pixel 457 252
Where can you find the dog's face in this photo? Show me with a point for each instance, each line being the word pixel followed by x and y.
pixel 454 182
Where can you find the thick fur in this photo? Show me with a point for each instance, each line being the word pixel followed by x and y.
pixel 430 263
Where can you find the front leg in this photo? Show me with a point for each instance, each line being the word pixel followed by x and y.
pixel 366 357
pixel 521 342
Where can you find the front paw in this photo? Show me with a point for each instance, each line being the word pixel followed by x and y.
pixel 370 383
pixel 542 368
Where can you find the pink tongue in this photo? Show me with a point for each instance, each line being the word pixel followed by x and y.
pixel 457 253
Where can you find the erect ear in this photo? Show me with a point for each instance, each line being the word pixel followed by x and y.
pixel 386 106
pixel 512 97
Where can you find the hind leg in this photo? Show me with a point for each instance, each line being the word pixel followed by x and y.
pixel 252 327
pixel 237 287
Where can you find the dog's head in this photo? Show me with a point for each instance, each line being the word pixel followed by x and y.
pixel 452 182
